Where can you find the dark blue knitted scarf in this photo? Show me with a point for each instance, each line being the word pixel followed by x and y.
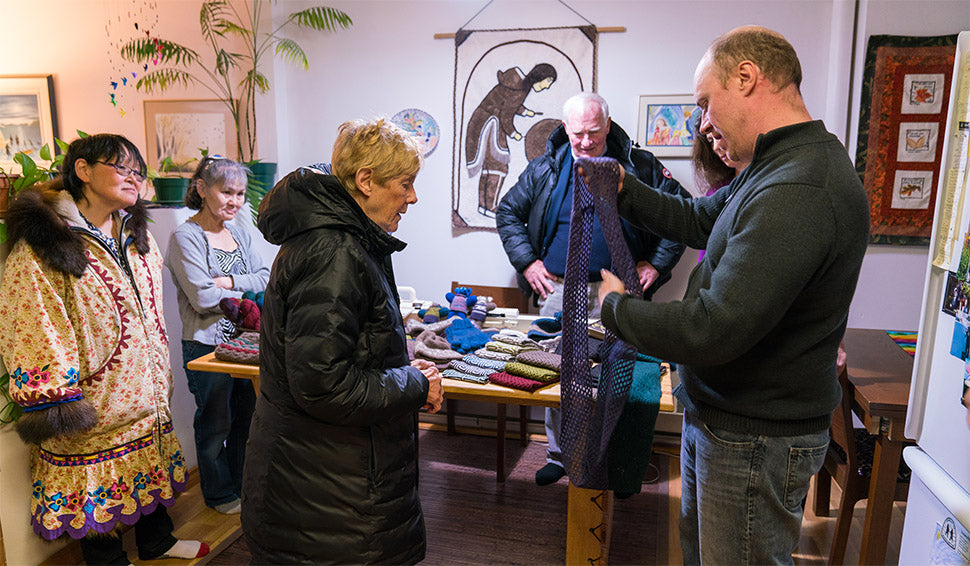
pixel 590 411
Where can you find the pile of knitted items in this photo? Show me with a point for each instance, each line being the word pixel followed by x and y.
pixel 546 328
pixel 243 349
pixel 243 313
pixel 531 370
pixel 430 346
pixel 473 368
pixel 255 297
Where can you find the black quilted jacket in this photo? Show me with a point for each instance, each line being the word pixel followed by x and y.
pixel 331 465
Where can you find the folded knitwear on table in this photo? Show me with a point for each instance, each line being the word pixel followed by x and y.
pixel 506 379
pixel 461 366
pixel 507 348
pixel 494 354
pixel 515 340
pixel 243 349
pixel 455 374
pixel 494 365
pixel 541 359
pixel 537 373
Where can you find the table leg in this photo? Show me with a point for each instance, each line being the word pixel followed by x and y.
pixel 500 441
pixel 524 425
pixel 882 488
pixel 450 415
pixel 589 518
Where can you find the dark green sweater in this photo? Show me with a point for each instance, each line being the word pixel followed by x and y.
pixel 760 324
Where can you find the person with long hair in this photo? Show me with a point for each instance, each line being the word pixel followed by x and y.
pixel 211 258
pixel 84 340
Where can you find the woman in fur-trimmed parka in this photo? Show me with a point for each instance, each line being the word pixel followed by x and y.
pixel 84 341
pixel 331 474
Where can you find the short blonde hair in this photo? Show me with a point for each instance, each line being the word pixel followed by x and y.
pixel 377 145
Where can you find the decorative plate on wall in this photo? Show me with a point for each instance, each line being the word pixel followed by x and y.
pixel 421 125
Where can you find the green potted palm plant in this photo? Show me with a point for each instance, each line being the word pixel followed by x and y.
pixel 231 29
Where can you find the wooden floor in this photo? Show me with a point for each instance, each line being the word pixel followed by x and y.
pixel 471 519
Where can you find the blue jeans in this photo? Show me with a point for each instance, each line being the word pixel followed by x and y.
pixel 224 408
pixel 742 494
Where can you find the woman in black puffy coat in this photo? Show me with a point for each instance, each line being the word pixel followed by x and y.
pixel 331 470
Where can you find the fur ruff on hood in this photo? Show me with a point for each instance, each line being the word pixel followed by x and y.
pixel 43 217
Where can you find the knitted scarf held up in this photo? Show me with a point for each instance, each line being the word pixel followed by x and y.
pixel 588 416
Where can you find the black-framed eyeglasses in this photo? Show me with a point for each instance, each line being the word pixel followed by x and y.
pixel 124 170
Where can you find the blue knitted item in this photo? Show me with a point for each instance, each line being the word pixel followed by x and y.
pixel 464 337
pixel 587 420
pixel 632 440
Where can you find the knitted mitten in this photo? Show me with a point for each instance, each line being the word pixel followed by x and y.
pixel 480 311
pixel 434 313
pixel 460 301
pixel 464 337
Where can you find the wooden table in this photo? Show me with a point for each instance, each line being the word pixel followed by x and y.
pixel 589 512
pixel 879 373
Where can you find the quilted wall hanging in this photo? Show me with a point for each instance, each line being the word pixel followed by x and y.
pixel 509 89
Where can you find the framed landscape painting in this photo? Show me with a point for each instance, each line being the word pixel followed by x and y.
pixel 663 124
pixel 27 117
pixel 181 129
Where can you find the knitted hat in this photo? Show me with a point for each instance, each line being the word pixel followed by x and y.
pixel 244 313
pixel 455 374
pixel 540 359
pixel 243 349
pixel 430 346
pixel 537 373
pixel 515 382
pixel 494 355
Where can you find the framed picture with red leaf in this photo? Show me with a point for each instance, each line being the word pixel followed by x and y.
pixel 905 96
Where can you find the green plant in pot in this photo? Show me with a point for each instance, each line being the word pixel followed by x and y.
pixel 170 185
pixel 231 29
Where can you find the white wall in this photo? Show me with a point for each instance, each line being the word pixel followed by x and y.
pixel 390 61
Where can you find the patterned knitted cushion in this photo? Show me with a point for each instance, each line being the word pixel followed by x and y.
pixel 494 365
pixel 515 382
pixel 541 359
pixel 243 349
pixel 455 374
pixel 537 373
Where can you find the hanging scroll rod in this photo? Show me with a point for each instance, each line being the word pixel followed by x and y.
pixel 606 29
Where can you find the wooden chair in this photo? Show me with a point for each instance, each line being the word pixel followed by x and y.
pixel 850 464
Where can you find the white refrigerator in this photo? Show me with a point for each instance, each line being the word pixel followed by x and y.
pixel 937 524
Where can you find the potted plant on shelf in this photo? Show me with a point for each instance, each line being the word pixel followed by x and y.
pixel 170 185
pixel 234 75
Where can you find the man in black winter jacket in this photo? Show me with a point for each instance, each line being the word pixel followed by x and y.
pixel 533 222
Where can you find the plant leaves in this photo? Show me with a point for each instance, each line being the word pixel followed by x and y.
pixel 143 50
pixel 162 79
pixel 322 18
pixel 290 51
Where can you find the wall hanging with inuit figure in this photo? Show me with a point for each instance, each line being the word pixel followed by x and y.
pixel 509 89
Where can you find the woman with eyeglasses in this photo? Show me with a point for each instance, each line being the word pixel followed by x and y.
pixel 211 258
pixel 84 341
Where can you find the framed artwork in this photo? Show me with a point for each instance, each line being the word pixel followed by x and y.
pixel 905 96
pixel 27 117
pixel 181 129
pixel 663 124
